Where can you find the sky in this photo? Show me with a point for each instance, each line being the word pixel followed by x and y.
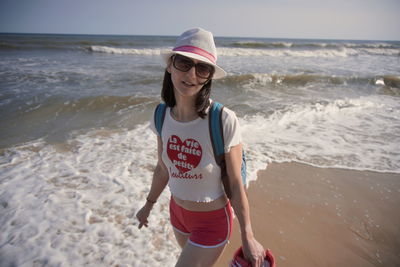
pixel 318 19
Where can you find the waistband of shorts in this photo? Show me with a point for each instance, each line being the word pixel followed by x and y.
pixel 228 205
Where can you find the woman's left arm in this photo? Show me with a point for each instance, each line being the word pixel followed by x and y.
pixel 252 249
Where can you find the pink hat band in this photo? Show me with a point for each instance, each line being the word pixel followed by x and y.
pixel 196 50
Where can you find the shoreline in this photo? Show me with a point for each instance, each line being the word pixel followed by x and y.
pixel 311 216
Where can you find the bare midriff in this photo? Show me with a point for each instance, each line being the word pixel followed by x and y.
pixel 216 204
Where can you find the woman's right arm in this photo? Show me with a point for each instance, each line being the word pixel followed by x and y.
pixel 159 182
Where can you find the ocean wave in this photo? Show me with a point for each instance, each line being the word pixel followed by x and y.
pixel 394 45
pixel 288 44
pixel 260 44
pixel 320 53
pixel 312 45
pixel 277 49
pixel 389 85
pixel 59 107
pixel 7 46
pixel 126 51
pixel 264 79
pixel 234 52
pixel 58 80
pixel 63 44
pixel 388 80
pixel 57 117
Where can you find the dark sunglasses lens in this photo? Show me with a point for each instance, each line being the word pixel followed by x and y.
pixel 203 70
pixel 182 63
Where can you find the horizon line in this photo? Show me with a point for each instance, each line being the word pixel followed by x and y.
pixel 216 36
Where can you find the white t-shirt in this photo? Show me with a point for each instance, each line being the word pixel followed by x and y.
pixel 188 154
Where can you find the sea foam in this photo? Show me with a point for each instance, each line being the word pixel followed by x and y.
pixel 340 134
pixel 74 204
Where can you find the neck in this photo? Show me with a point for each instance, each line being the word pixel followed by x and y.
pixel 184 112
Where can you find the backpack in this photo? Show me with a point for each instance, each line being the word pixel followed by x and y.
pixel 217 140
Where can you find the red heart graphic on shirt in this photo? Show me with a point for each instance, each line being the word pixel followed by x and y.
pixel 184 155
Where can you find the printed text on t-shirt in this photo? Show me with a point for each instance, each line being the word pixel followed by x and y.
pixel 184 155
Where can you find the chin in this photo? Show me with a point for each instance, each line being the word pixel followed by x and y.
pixel 186 92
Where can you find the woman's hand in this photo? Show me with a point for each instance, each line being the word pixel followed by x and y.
pixel 143 214
pixel 254 252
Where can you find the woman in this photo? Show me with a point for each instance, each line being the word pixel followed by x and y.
pixel 200 212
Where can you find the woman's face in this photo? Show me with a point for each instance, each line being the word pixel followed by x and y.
pixel 187 83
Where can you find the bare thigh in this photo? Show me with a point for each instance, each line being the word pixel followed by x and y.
pixel 181 238
pixel 199 257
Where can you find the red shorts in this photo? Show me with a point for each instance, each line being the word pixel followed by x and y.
pixel 207 229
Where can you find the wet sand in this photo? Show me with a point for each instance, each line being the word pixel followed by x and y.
pixel 312 216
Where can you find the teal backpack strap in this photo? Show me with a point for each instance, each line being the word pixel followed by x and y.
pixel 244 169
pixel 216 131
pixel 217 141
pixel 159 116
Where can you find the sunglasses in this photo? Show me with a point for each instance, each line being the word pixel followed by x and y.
pixel 184 64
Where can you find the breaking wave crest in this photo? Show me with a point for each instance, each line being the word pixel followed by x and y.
pixel 264 79
pixel 321 53
pixel 312 45
pixel 125 51
pixel 232 52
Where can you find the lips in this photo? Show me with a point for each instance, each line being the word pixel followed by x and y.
pixel 188 84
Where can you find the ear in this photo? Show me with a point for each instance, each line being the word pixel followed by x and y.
pixel 169 65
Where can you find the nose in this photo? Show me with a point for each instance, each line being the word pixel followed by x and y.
pixel 192 72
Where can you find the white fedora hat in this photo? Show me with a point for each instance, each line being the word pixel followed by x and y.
pixel 197 44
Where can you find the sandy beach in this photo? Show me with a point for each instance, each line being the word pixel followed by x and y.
pixel 312 216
